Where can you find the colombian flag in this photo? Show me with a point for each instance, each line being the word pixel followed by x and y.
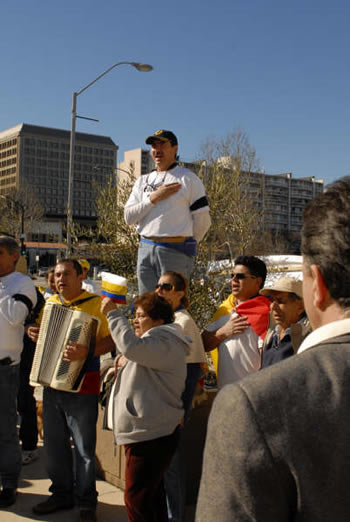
pixel 256 309
pixel 114 286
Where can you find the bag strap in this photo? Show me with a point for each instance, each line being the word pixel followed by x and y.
pixel 76 303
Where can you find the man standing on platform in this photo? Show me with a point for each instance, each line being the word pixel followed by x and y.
pixel 171 211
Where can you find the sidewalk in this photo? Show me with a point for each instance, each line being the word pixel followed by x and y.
pixel 33 488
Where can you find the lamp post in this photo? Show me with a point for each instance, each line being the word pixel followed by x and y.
pixel 142 67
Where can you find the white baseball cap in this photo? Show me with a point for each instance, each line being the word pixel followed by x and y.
pixel 285 284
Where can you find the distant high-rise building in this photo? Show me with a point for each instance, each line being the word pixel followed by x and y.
pixel 137 161
pixel 38 158
pixel 281 198
pixel 284 199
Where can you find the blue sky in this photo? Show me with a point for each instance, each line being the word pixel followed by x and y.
pixel 277 69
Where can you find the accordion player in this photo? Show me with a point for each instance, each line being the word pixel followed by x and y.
pixel 60 325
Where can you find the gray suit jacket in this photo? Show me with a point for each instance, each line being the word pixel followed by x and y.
pixel 278 443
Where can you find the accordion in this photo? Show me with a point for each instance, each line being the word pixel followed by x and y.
pixel 60 325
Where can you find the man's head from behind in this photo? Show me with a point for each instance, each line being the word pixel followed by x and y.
pixel 326 254
pixel 68 278
pixel 287 305
pixel 248 277
pixel 9 253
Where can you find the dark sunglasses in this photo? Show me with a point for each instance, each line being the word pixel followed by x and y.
pixel 165 286
pixel 241 276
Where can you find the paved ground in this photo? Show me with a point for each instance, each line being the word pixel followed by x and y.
pixel 33 488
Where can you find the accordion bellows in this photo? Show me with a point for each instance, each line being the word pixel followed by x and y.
pixel 60 325
pixel 114 286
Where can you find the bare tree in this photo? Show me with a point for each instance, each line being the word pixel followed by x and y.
pixel 112 240
pixel 228 168
pixel 229 173
pixel 20 211
pixel 120 241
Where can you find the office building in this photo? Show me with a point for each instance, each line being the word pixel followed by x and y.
pixel 280 198
pixel 284 199
pixel 38 158
pixel 137 161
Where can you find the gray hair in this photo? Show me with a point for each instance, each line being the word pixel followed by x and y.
pixel 10 244
pixel 326 238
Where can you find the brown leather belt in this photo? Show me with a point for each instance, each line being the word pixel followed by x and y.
pixel 171 239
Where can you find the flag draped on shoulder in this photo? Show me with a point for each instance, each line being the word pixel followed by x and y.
pixel 257 311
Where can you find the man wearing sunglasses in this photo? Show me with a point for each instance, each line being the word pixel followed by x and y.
pixel 170 208
pixel 237 331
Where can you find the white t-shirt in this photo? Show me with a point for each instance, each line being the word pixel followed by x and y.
pixel 185 213
pixel 196 353
pixel 13 313
pixel 238 355
pixel 89 286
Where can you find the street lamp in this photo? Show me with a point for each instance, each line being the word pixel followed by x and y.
pixel 142 67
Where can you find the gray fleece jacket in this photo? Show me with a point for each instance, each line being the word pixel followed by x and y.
pixel 147 397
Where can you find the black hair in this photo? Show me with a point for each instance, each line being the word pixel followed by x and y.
pixel 255 266
pixel 74 262
pixel 180 282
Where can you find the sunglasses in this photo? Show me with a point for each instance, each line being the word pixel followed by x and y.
pixel 241 276
pixel 165 286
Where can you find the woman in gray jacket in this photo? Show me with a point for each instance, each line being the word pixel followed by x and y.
pixel 147 402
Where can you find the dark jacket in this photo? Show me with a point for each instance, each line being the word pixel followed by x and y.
pixel 275 351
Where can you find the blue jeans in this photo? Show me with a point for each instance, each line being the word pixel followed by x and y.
pixel 175 475
pixel 153 261
pixel 71 415
pixel 10 453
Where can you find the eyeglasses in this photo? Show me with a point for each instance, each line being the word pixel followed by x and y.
pixel 240 276
pixel 165 286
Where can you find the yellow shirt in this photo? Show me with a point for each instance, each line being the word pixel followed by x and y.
pixel 91 382
pixel 92 307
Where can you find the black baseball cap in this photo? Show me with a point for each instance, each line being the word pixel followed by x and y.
pixel 162 135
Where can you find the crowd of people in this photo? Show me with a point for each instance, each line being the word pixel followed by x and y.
pixel 277 441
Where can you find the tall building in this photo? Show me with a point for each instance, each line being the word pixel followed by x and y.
pixel 38 158
pixel 284 198
pixel 281 198
pixel 138 161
